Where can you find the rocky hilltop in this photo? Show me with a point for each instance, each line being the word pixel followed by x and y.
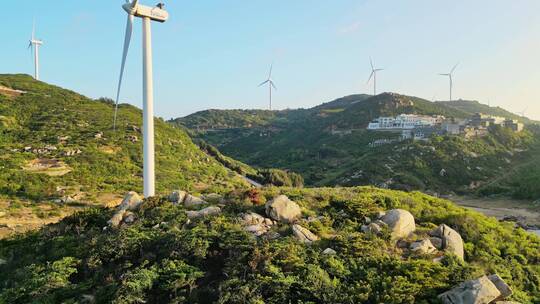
pixel 274 245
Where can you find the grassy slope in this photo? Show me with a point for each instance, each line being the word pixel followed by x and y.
pixel 301 142
pixel 108 165
pixel 214 261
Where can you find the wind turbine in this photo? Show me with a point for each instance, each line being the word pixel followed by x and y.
pixel 270 84
pixel 35 43
pixel 450 75
pixel 374 76
pixel 148 14
pixel 522 113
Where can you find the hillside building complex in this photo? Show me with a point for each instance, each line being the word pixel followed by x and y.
pixel 423 127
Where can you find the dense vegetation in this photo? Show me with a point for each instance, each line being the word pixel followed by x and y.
pixel 164 258
pixel 328 145
pixel 76 132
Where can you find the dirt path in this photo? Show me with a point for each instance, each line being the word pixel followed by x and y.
pixel 525 211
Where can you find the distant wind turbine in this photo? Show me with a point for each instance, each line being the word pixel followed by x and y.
pixel 374 76
pixel 450 77
pixel 147 14
pixel 522 113
pixel 35 43
pixel 270 83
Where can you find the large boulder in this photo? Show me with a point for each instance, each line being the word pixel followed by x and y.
pixel 501 285
pixel 283 209
pixel 400 222
pixel 479 291
pixel 203 213
pixel 304 235
pixel 451 240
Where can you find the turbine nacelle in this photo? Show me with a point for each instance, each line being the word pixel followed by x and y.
pixel 156 13
pixel 36 42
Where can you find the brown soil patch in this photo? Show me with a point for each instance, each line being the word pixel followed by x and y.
pixel 51 167
pixel 27 216
pixel 10 92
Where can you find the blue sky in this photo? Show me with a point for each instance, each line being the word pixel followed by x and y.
pixel 213 54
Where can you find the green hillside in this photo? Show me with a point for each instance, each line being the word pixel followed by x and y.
pixel 329 145
pixel 164 257
pixel 57 145
pixel 473 106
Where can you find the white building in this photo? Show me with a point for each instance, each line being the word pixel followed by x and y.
pixel 405 121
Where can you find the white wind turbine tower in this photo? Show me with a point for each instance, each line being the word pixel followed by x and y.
pixel 35 43
pixel 450 75
pixel 270 84
pixel 147 14
pixel 374 76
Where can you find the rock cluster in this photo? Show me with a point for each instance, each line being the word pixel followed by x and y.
pixel 188 200
pixel 131 202
pixel 208 211
pixel 484 290
pixel 256 223
pixel 401 225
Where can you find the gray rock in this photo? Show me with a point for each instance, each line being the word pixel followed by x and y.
pixel 379 214
pixel 203 213
pixel 329 251
pixel 437 242
pixel 193 201
pixel 117 218
pixel 452 241
pixel 2 262
pixel 479 291
pixel 501 285
pixel 423 247
pixel 401 223
pixel 252 218
pixel 129 217
pixel 132 201
pixel 257 229
pixel 371 228
pixel 283 209
pixel 304 235
pixel 177 197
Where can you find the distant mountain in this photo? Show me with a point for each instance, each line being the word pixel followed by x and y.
pixel 329 144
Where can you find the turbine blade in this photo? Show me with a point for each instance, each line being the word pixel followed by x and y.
pixel 370 76
pixel 265 82
pixel 127 40
pixel 371 62
pixel 452 71
pixel 272 84
pixel 34 29
pixel 271 68
pixel 134 3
